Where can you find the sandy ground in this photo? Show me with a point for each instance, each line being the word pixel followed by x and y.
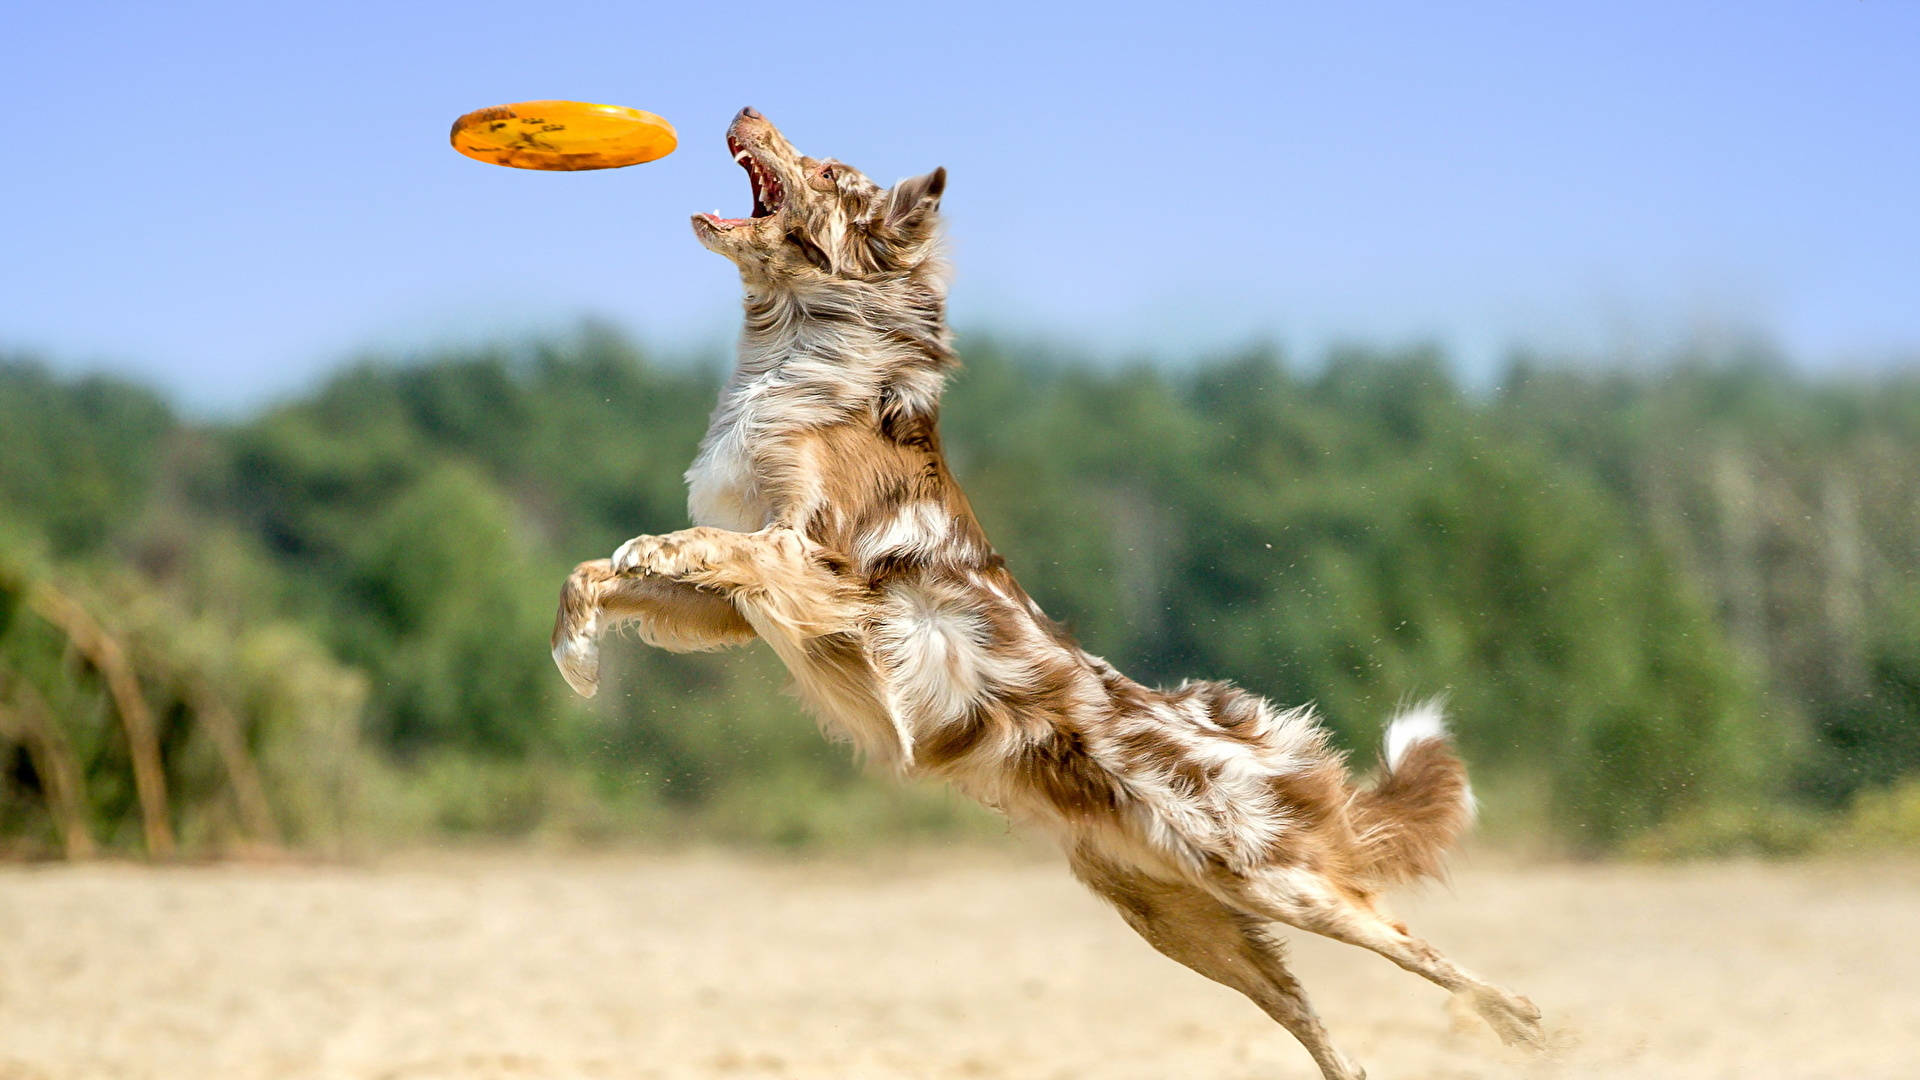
pixel 920 965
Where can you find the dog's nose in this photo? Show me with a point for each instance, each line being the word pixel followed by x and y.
pixel 750 113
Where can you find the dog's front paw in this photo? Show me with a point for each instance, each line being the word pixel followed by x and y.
pixel 578 658
pixel 576 627
pixel 658 555
pixel 675 555
pixel 637 555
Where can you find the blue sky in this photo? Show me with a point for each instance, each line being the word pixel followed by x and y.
pixel 228 199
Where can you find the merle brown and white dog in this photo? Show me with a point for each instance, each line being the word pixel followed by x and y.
pixel 829 526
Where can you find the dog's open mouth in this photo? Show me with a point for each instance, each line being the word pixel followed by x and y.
pixel 768 194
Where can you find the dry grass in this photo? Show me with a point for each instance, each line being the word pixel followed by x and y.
pixel 921 965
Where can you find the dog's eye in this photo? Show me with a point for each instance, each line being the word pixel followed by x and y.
pixel 827 173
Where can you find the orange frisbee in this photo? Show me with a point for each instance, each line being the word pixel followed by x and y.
pixel 563 136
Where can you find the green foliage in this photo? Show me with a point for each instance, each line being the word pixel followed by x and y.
pixel 1793 506
pixel 76 458
pixel 1886 817
pixel 1734 831
pixel 296 713
pixel 451 633
pixel 1674 611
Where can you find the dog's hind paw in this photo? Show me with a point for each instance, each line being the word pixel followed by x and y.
pixel 1515 1019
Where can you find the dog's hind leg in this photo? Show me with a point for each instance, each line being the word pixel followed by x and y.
pixel 1308 901
pixel 669 614
pixel 1194 928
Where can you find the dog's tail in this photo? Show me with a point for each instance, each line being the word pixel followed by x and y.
pixel 1418 806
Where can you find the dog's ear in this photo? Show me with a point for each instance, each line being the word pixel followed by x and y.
pixel 913 201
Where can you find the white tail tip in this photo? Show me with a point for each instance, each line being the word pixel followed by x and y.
pixel 1417 724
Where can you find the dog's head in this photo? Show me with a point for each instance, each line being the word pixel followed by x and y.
pixel 816 220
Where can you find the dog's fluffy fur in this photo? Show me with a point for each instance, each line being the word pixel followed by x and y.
pixel 829 526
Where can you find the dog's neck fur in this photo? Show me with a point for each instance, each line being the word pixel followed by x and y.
pixel 851 339
pixel 814 354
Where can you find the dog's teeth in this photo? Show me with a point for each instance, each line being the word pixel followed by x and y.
pixel 741 156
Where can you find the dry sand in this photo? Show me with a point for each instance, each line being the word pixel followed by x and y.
pixel 922 965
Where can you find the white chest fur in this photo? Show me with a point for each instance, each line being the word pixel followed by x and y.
pixel 775 395
pixel 722 490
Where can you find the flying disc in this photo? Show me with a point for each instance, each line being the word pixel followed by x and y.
pixel 563 136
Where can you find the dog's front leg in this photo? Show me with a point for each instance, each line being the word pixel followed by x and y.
pixel 669 614
pixel 776 577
